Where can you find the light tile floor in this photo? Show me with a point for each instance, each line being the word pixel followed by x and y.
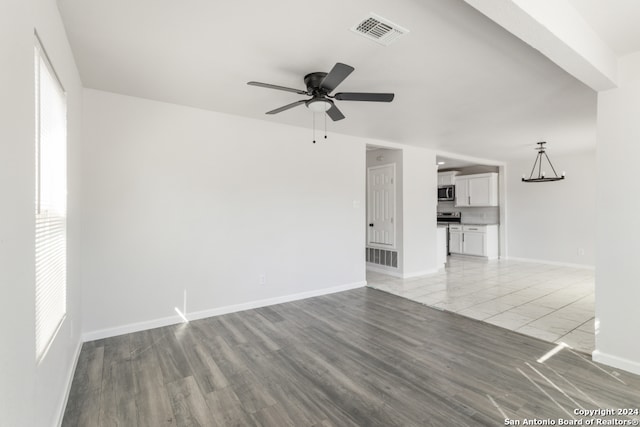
pixel 549 302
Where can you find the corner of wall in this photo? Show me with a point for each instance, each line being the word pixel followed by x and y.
pixel 616 362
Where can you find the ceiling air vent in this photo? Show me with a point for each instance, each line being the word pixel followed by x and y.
pixel 380 30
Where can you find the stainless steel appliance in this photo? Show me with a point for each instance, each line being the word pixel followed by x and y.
pixel 446 218
pixel 446 193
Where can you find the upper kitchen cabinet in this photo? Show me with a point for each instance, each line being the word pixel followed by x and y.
pixel 477 190
pixel 447 178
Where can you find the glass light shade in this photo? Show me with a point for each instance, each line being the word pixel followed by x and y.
pixel 319 105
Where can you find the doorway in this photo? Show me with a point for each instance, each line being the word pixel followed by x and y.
pixel 381 206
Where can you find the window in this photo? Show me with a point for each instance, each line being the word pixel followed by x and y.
pixel 51 202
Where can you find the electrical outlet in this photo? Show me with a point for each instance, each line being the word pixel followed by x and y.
pixel 262 279
pixel 580 251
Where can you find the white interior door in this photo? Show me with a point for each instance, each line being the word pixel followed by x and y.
pixel 381 209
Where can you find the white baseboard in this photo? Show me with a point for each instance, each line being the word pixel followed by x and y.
pixel 272 301
pixel 561 264
pixel 194 315
pixel 616 362
pixel 131 327
pixel 67 391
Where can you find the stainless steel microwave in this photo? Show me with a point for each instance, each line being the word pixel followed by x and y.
pixel 446 193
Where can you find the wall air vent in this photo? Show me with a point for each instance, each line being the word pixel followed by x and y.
pixel 380 30
pixel 382 257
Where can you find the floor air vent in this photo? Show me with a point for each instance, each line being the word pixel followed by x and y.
pixel 382 257
pixel 380 30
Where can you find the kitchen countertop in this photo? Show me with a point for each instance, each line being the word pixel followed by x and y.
pixel 445 224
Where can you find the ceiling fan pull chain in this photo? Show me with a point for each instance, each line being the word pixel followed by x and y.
pixel 325 126
pixel 314 127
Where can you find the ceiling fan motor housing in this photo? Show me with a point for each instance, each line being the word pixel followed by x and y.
pixel 313 82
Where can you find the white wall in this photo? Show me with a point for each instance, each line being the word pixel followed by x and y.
pixel 550 221
pixel 32 394
pixel 420 198
pixel 617 273
pixel 179 199
pixel 17 353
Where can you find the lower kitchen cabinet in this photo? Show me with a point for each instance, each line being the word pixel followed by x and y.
pixel 442 246
pixel 473 243
pixel 476 240
pixel 455 240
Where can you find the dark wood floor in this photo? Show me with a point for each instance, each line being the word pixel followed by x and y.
pixel 357 358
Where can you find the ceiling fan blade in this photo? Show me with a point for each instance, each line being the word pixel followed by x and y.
pixel 286 107
pixel 362 96
pixel 334 113
pixel 338 73
pixel 270 86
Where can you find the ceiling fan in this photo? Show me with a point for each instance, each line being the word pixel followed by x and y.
pixel 319 86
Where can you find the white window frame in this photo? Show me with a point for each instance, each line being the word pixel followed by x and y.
pixel 50 202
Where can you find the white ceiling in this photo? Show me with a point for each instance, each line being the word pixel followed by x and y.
pixel 617 22
pixel 462 83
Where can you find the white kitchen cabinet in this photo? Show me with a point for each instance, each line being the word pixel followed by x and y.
pixel 462 192
pixel 442 246
pixel 455 239
pixel 477 190
pixel 473 243
pixel 476 240
pixel 447 178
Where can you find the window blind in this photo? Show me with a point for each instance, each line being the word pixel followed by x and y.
pixel 51 203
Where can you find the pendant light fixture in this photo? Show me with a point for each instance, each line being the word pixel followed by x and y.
pixel 541 173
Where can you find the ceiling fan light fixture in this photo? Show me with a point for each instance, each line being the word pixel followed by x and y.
pixel 319 105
